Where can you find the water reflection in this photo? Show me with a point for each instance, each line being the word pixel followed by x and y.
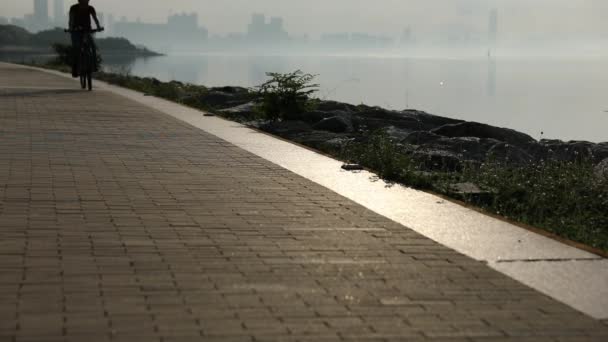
pixel 491 82
pixel 563 98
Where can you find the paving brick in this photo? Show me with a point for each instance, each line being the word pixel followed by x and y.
pixel 118 223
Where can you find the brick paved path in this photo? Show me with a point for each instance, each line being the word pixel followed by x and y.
pixel 118 223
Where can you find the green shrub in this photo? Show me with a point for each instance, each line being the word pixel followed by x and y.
pixel 286 96
pixel 65 55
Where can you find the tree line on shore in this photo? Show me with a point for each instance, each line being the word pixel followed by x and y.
pixel 16 37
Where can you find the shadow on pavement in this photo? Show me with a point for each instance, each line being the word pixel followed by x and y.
pixel 38 92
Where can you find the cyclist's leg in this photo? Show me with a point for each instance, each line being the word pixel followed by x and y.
pixel 94 52
pixel 76 44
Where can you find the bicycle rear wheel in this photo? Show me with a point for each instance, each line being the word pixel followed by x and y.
pixel 90 80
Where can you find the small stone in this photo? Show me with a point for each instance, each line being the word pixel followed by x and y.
pixel 352 167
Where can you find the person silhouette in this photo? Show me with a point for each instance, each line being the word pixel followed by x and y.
pixel 80 22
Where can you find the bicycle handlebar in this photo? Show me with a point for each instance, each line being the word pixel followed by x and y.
pixel 84 30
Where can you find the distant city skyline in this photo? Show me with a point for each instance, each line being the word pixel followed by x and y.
pixel 519 18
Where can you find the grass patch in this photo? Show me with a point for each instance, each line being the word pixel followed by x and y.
pixel 569 199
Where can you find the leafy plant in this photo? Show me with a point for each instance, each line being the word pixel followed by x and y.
pixel 286 96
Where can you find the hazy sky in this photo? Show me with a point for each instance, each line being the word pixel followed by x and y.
pixel 517 17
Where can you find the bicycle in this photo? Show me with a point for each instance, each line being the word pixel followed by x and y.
pixel 87 57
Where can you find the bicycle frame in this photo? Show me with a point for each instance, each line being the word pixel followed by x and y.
pixel 87 57
pixel 86 54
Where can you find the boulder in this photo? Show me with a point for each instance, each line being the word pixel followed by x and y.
pixel 322 140
pixel 286 129
pixel 226 97
pixel 479 130
pixel 231 90
pixel 336 124
pixel 470 192
pixel 328 106
pixel 464 148
pixel 245 111
pixel 397 134
pixel 318 115
pixel 600 152
pixel 571 150
pixel 510 154
pixel 428 121
pixel 601 169
pixel 438 160
pixel 420 138
pixel 374 118
pixel 216 98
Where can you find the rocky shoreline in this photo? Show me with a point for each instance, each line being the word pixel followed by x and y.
pixel 441 143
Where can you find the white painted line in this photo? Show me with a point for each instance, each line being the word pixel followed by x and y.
pixel 467 231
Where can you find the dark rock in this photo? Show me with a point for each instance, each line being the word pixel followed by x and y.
pixel 420 138
pixel 467 148
pixel 286 129
pixel 479 130
pixel 462 149
pixel 600 152
pixel 336 124
pixel 231 90
pixel 317 115
pixel 322 140
pixel 397 134
pixel 428 121
pixel 175 83
pixel 332 145
pixel 225 99
pixel 373 118
pixel 329 106
pixel 245 110
pixel 507 153
pixel 216 98
pixel 438 160
pixel 570 151
pixel 601 169
pixel 470 192
pixel 352 167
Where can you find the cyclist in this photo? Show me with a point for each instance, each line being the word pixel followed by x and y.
pixel 80 21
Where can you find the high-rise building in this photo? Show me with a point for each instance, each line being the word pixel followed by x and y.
pixel 59 13
pixel 493 27
pixel 111 21
pixel 41 11
pixel 257 27
pixel 102 19
pixel 259 30
pixel 183 22
pixel 276 24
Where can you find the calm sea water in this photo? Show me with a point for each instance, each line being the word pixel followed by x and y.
pixel 550 98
